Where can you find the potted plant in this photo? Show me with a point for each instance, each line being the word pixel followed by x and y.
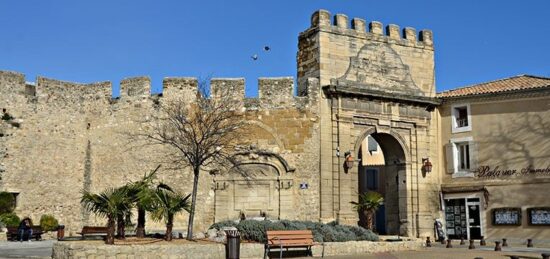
pixel 368 204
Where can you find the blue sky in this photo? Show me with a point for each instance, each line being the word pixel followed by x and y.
pixel 89 41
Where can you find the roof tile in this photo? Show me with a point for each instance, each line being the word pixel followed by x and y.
pixel 520 82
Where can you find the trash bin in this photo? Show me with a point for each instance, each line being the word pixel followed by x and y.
pixel 233 244
pixel 60 232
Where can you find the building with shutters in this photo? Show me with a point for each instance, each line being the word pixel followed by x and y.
pixel 495 140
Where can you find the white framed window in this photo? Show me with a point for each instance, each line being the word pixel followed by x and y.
pixel 461 157
pixel 461 118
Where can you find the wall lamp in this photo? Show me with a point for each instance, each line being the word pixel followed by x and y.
pixel 348 164
pixel 426 165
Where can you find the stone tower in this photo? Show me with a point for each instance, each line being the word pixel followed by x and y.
pixel 377 83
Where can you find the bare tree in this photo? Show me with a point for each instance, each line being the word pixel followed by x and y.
pixel 201 134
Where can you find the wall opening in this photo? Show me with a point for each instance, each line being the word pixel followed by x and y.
pixel 382 169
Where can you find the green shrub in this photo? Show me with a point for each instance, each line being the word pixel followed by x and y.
pixel 48 222
pixel 10 219
pixel 220 225
pixel 363 233
pixel 7 202
pixel 253 230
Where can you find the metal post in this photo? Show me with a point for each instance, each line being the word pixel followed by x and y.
pixel 449 245
pixel 497 246
pixel 60 232
pixel 482 242
pixel 472 246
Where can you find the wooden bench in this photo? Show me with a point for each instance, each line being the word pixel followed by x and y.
pixel 93 231
pixel 279 239
pixel 13 233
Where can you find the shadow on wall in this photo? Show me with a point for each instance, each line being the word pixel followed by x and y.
pixel 517 142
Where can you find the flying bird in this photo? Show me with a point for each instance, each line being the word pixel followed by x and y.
pixel 267 48
pixel 254 57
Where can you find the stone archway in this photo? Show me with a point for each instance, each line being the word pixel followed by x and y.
pixel 381 168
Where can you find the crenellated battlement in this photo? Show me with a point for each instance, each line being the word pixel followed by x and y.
pixel 135 87
pixel 321 20
pixel 274 93
pixel 52 91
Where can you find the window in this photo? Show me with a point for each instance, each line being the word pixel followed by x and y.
pixel 463 150
pixel 461 118
pixel 461 157
pixel 372 179
pixel 372 144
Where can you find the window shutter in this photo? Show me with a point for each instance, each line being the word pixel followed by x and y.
pixel 474 164
pixel 373 145
pixel 450 158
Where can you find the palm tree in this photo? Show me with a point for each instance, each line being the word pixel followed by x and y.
pixel 166 204
pixel 111 203
pixel 368 204
pixel 141 193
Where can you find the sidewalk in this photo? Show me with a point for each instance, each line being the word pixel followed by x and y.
pixel 458 251
pixel 34 249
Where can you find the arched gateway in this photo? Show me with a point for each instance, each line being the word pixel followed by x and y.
pixel 380 86
pixel 381 167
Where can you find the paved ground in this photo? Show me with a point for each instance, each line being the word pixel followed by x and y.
pixel 441 253
pixel 34 249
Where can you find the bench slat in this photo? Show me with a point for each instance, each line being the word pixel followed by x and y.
pixel 291 237
pixel 93 230
pixel 288 232
pixel 291 245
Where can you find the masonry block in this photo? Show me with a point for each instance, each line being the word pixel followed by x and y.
pixel 359 25
pixel 320 18
pixel 135 87
pixel 275 92
pixel 341 21
pixel 375 27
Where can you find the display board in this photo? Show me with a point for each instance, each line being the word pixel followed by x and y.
pixel 539 216
pixel 507 216
pixel 455 217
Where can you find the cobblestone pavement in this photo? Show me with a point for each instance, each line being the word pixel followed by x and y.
pixel 34 249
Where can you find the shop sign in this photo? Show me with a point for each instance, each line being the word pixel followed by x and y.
pixel 497 172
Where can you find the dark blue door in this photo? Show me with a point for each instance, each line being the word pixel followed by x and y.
pixel 380 220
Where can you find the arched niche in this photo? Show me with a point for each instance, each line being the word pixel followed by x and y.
pixel 258 184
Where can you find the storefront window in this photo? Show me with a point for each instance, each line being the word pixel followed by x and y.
pixel 463 218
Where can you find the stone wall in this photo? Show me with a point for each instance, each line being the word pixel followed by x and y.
pixel 65 137
pixel 62 250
